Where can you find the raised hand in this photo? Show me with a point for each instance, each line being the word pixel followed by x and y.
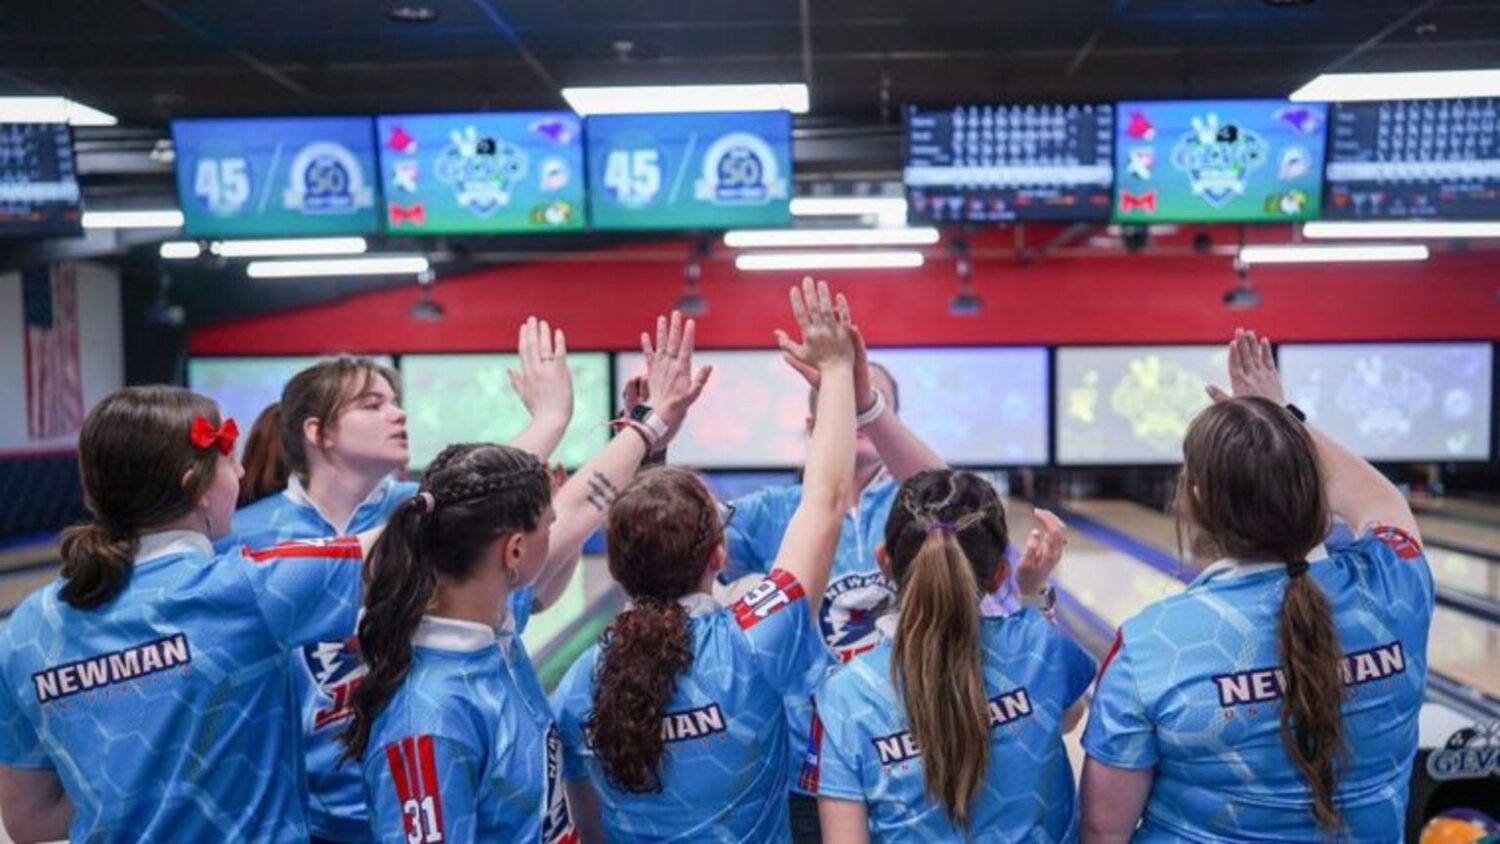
pixel 1252 370
pixel 828 337
pixel 1043 551
pixel 670 380
pixel 544 382
pixel 863 397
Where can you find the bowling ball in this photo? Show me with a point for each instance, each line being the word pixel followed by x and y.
pixel 1459 826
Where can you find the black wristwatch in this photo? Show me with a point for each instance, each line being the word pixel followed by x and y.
pixel 1296 411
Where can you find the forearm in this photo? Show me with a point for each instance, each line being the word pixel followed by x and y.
pixel 1357 492
pixel 34 806
pixel 829 473
pixel 541 435
pixel 581 503
pixel 554 581
pixel 1112 800
pixel 901 450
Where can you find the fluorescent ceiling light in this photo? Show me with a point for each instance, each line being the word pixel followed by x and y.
pixel 1331 253
pixel 372 265
pixel 180 250
pixel 1398 229
pixel 756 261
pixel 1419 85
pixel 848 206
pixel 300 246
pixel 51 110
pixel 660 99
pixel 165 218
pixel 751 239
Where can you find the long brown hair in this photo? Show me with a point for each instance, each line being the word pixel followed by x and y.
pixel 480 493
pixel 265 470
pixel 133 454
pixel 945 540
pixel 321 392
pixel 1252 486
pixel 661 532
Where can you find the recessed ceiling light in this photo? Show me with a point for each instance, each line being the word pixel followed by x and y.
pixel 412 14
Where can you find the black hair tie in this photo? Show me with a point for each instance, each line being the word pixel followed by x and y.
pixel 1296 568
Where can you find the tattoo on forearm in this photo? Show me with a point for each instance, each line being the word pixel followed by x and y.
pixel 602 493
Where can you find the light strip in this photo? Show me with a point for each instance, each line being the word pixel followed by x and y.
pixel 1398 229
pixel 849 206
pixel 52 110
pixel 1332 253
pixel 661 99
pixel 751 239
pixel 372 265
pixel 180 250
pixel 757 261
pixel 301 246
pixel 166 218
pixel 1418 85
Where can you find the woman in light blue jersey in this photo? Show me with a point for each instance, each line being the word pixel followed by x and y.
pixel 674 725
pixel 951 730
pixel 1274 699
pixel 144 696
pixel 451 730
pixel 342 439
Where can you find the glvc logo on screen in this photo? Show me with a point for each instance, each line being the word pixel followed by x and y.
pixel 1219 158
pixel 326 178
pixel 740 169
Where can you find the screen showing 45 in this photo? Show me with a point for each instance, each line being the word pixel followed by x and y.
pixel 690 171
pixel 276 177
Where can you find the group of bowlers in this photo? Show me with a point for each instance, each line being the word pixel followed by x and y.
pixel 341 660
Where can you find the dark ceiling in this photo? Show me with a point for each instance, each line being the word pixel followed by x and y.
pixel 149 60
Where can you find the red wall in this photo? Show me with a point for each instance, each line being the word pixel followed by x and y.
pixel 605 301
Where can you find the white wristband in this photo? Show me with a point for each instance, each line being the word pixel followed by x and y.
pixel 875 411
pixel 656 428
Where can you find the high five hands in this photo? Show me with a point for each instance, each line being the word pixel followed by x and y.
pixel 863 397
pixel 829 339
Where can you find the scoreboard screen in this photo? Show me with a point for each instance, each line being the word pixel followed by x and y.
pixel 996 163
pixel 1432 159
pixel 39 192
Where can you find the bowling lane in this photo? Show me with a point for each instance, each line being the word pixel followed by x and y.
pixel 1460 534
pixel 1463 647
pixel 1466 508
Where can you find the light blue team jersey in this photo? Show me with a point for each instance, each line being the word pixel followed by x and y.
pixel 467 749
pixel 725 774
pixel 326 674
pixel 857 594
pixel 166 711
pixel 1193 689
pixel 863 751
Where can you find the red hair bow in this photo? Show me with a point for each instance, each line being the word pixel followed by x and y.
pixel 205 435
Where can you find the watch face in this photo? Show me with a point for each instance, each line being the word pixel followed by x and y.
pixel 640 412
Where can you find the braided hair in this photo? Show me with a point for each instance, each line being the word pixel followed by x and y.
pixel 472 495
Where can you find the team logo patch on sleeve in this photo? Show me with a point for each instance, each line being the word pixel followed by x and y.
pixel 414 774
pixel 769 597
pixel 1400 541
pixel 345 547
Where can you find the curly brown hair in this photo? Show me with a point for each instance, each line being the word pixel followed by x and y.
pixel 662 532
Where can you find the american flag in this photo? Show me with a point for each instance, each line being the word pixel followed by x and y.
pixel 54 380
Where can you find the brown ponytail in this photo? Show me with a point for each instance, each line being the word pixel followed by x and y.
pixel 946 542
pixel 661 531
pixel 133 454
pixel 1251 484
pixel 478 494
pixel 643 652
pixel 1312 724
pixel 266 471
pixel 936 657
